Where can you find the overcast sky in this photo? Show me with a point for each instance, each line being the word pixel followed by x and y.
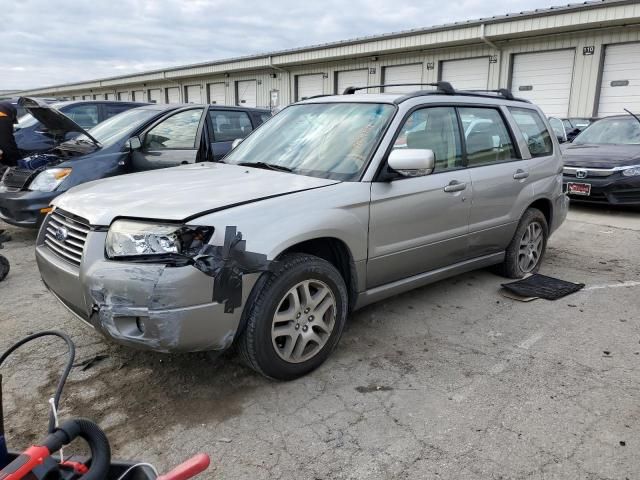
pixel 44 42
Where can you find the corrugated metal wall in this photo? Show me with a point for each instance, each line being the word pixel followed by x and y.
pixel 404 50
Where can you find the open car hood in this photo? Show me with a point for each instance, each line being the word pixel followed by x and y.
pixel 54 120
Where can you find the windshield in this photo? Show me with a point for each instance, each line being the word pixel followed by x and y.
pixel 28 120
pixel 620 131
pixel 326 140
pixel 111 130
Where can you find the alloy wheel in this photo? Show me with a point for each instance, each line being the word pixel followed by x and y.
pixel 531 245
pixel 303 321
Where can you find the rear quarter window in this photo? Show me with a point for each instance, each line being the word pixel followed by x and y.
pixel 534 131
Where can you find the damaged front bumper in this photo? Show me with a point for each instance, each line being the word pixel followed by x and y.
pixel 148 306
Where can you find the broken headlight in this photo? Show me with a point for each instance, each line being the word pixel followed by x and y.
pixel 135 240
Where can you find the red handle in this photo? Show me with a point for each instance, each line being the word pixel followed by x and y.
pixel 25 463
pixel 188 469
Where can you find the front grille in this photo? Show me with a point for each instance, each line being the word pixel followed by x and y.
pixel 590 172
pixel 18 178
pixel 66 235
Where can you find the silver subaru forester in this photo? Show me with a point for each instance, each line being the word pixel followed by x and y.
pixel 334 203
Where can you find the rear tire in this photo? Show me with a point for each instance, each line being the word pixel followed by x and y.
pixel 295 317
pixel 526 250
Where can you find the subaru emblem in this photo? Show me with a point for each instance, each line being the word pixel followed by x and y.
pixel 581 173
pixel 61 234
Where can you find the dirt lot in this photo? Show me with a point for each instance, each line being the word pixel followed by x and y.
pixel 449 381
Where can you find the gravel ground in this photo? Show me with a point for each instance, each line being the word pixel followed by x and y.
pixel 448 381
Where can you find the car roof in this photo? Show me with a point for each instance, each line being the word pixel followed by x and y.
pixel 424 96
pixel 64 103
pixel 174 106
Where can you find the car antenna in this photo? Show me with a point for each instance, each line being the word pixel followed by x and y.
pixel 632 114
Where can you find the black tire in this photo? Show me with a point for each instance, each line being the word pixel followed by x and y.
pixel 255 344
pixel 4 268
pixel 511 267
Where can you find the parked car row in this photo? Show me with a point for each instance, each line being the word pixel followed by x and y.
pixel 268 238
pixel 145 138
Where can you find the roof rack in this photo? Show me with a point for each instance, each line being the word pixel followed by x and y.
pixel 503 92
pixel 444 87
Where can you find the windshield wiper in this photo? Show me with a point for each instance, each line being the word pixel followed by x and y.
pixel 266 166
pixel 633 115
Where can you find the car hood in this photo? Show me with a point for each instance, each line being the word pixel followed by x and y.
pixel 53 119
pixel 180 193
pixel 601 156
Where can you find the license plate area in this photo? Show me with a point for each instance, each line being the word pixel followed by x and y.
pixel 574 188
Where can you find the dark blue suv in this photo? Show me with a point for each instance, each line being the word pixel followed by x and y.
pixel 32 136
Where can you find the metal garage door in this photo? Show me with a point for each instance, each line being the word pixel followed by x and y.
pixel 138 96
pixel 193 94
pixel 217 93
pixel 620 86
pixel 247 93
pixel 123 96
pixel 352 78
pixel 402 74
pixel 111 96
pixel 155 95
pixel 173 95
pixel 467 74
pixel 545 79
pixel 309 85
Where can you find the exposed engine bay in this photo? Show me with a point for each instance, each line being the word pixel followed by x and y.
pixel 18 178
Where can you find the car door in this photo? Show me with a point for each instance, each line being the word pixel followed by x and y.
pixel 173 140
pixel 420 224
pixel 227 126
pixel 500 179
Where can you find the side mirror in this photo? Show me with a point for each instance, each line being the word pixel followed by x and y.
pixel 134 143
pixel 412 162
pixel 236 142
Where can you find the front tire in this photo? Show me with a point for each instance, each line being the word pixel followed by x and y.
pixel 295 318
pixel 4 268
pixel 524 254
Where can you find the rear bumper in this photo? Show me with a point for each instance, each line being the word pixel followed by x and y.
pixel 146 306
pixel 615 189
pixel 22 208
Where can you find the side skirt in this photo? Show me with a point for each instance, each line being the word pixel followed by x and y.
pixel 409 283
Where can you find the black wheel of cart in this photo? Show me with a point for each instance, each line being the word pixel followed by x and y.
pixel 4 268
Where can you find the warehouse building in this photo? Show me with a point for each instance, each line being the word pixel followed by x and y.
pixel 577 60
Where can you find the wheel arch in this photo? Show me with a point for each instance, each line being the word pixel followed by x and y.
pixel 545 206
pixel 336 252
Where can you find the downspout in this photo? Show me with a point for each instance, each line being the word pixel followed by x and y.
pixel 271 65
pixel 495 47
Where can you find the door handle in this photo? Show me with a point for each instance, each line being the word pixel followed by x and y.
pixel 520 174
pixel 455 186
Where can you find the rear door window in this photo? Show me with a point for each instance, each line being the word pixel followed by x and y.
pixel 486 136
pixel 534 131
pixel 84 115
pixel 229 124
